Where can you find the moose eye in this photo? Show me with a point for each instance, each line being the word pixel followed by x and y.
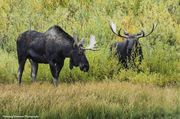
pixel 81 51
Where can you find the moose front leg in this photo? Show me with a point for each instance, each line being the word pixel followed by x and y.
pixel 140 58
pixel 55 70
pixel 140 55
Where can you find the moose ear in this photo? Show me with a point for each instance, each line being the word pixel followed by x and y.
pixel 75 37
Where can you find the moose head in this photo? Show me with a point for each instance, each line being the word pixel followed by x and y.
pixel 78 57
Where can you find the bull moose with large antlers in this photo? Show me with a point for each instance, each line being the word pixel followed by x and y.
pixel 130 49
pixel 51 47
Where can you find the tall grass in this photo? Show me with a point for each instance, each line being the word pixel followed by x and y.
pixel 90 100
pixel 102 67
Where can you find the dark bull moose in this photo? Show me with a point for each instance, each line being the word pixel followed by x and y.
pixel 130 49
pixel 51 47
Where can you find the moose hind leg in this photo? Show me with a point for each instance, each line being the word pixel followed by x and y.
pixel 21 69
pixel 34 69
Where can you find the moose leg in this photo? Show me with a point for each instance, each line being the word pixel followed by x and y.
pixel 125 65
pixel 58 68
pixel 34 69
pixel 140 53
pixel 55 70
pixel 124 62
pixel 21 68
pixel 134 64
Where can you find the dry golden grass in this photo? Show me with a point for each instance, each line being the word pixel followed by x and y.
pixel 90 100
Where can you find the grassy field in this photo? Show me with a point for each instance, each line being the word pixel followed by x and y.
pixel 93 100
pixel 105 91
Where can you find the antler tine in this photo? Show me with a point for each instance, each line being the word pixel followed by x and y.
pixel 119 34
pixel 154 26
pixel 113 28
pixel 142 34
pixel 92 44
pixel 125 32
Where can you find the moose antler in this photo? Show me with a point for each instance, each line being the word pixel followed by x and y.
pixel 142 33
pixel 113 28
pixel 92 44
pixel 81 43
pixel 126 33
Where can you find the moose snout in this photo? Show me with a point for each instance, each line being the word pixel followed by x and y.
pixel 84 67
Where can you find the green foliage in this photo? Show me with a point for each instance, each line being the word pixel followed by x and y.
pixel 161 49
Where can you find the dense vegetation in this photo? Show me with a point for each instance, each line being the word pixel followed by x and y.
pixel 161 65
pixel 93 100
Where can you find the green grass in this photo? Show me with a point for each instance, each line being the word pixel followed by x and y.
pixel 90 100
